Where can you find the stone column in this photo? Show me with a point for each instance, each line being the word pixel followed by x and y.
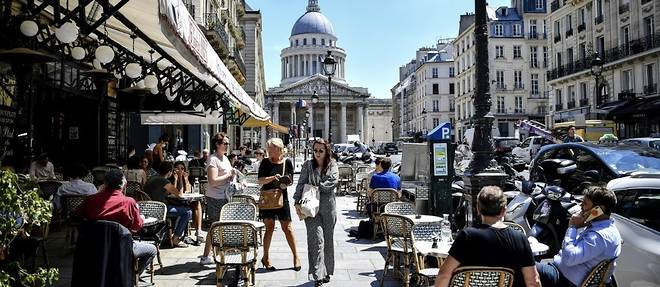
pixel 366 126
pixel 310 121
pixel 263 137
pixel 342 122
pixel 293 113
pixel 360 121
pixel 327 121
pixel 276 112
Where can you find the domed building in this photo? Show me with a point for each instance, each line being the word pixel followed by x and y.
pixel 312 36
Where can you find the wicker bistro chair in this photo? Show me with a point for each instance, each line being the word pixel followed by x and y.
pixel 252 190
pixel 59 176
pixel 599 274
pixel 515 226
pixel 196 173
pixel 244 198
pixel 238 211
pixel 425 232
pixel 139 195
pixel 154 232
pixel 48 188
pixel 358 180
pixel 89 178
pixel 69 205
pixel 362 196
pixel 379 198
pixel 133 186
pixel 400 208
pixel 234 244
pixel 397 230
pixel 482 277
pixel 363 168
pixel 345 179
pixel 251 177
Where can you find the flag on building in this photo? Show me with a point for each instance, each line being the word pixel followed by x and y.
pixel 301 103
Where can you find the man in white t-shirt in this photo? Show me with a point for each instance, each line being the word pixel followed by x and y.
pixel 41 168
pixel 75 186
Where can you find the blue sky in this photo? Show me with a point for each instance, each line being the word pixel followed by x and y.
pixel 378 35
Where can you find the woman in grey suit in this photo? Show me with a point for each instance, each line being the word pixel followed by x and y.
pixel 321 171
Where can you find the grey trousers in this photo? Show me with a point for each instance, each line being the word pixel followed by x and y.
pixel 320 243
pixel 144 252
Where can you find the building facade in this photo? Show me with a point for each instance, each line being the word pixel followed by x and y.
pixel 516 53
pixel 312 37
pixel 625 36
pixel 379 122
pixel 255 84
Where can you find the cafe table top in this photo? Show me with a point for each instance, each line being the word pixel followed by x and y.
pixel 424 218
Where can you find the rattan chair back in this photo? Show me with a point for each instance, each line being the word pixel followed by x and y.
pixel 482 277
pixel 515 226
pixel 599 274
pixel 238 211
pixel 400 208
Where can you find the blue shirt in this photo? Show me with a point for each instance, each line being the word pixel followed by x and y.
pixel 385 179
pixel 581 253
pixel 575 139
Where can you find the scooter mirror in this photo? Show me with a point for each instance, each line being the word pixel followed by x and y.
pixel 591 175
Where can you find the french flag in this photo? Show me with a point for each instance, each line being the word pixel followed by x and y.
pixel 301 103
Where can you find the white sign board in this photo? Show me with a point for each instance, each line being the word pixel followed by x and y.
pixel 440 161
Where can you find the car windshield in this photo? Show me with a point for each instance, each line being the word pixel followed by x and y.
pixel 630 159
pixel 508 143
pixel 390 145
pixel 655 144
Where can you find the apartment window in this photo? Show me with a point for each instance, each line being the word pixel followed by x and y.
pixel 539 4
pixel 599 8
pixel 436 106
pixel 583 91
pixel 499 52
pixel 313 41
pixel 557 31
pixel 451 88
pixel 558 97
pixel 533 62
pixel 569 22
pixel 500 105
pixel 625 39
pixel 545 57
pixel 499 30
pixel 535 84
pixel 649 78
pixel 649 26
pixel 451 72
pixel 571 94
pixel 600 45
pixel 434 72
pixel 517 29
pixel 583 16
pixel 452 105
pixel 436 122
pixel 517 53
pixel 436 89
pixel 559 62
pixel 583 52
pixel 532 28
pixel 519 104
pixel 499 79
pixel 627 81
pixel 569 56
pixel 517 79
pixel 469 85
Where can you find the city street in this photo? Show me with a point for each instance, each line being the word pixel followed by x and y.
pixel 358 263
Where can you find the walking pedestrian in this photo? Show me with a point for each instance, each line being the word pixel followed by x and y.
pixel 276 172
pixel 322 172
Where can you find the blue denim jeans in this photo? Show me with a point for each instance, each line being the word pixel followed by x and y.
pixel 550 275
pixel 181 215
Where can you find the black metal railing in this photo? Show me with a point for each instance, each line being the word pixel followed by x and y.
pixel 238 59
pixel 626 95
pixel 533 64
pixel 554 5
pixel 518 86
pixel 557 38
pixel 537 95
pixel 584 102
pixel 500 86
pixel 570 105
pixel 536 35
pixel 569 32
pixel 213 23
pixel 598 20
pixel 650 89
pixel 559 107
pixel 627 49
pixel 623 8
pixel 582 27
pixel 645 1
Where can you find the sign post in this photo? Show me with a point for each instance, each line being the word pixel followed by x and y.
pixel 442 168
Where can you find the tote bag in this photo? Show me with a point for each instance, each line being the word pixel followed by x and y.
pixel 272 198
pixel 309 202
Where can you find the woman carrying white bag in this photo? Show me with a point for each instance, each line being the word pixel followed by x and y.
pixel 317 183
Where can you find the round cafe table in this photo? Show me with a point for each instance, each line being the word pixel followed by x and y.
pixel 149 221
pixel 424 218
pixel 441 251
pixel 538 248
pixel 257 224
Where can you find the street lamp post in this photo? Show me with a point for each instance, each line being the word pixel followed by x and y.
pixel 304 132
pixel 596 71
pixel 482 170
pixel 373 136
pixel 329 66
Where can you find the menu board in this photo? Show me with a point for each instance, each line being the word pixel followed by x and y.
pixel 7 113
pixel 111 150
pixel 440 162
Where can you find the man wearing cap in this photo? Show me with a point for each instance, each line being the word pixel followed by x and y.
pixel 42 168
pixel 110 204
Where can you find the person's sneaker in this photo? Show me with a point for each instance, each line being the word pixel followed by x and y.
pixel 206 260
pixel 201 236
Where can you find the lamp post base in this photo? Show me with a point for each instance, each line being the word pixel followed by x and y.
pixel 473 184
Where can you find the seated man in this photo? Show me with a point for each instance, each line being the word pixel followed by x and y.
pixel 41 168
pixel 599 241
pixel 385 178
pixel 376 170
pixel 159 188
pixel 110 204
pixel 75 186
pixel 505 246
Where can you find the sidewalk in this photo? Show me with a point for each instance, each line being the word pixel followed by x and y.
pixel 357 263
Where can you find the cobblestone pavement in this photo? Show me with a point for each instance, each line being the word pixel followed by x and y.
pixel 358 262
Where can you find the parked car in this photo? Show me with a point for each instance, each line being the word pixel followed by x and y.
pixel 504 145
pixel 636 217
pixel 387 148
pixel 649 142
pixel 609 161
pixel 529 147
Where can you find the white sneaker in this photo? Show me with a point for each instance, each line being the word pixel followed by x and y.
pixel 206 260
pixel 201 236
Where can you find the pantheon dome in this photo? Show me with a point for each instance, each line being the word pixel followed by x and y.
pixel 312 23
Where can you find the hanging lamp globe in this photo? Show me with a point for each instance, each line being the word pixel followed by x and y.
pixel 67 33
pixel 154 91
pixel 151 81
pixel 78 53
pixel 133 70
pixel 29 28
pixel 104 54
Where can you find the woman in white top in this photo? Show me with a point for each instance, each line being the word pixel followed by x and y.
pixel 220 173
pixel 134 171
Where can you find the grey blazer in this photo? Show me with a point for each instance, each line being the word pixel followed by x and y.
pixel 327 182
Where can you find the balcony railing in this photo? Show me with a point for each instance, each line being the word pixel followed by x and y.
pixel 500 87
pixel 650 89
pixel 570 105
pixel 534 64
pixel 582 27
pixel 569 32
pixel 518 86
pixel 598 20
pixel 559 107
pixel 625 50
pixel 238 59
pixel 537 95
pixel 557 38
pixel 626 95
pixel 584 102
pixel 623 8
pixel 214 24
pixel 536 35
pixel 554 6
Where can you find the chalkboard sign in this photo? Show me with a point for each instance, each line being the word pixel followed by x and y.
pixel 7 113
pixel 111 155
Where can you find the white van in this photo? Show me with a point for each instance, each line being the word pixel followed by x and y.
pixel 527 149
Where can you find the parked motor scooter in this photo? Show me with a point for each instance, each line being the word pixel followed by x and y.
pixel 521 208
pixel 553 213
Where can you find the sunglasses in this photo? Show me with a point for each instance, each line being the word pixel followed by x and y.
pixel 319 150
pixel 259 153
pixel 225 143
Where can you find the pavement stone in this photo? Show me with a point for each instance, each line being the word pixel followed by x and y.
pixel 357 262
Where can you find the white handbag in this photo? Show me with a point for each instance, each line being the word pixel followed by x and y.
pixel 310 199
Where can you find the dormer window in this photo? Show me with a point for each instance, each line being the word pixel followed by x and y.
pixel 499 30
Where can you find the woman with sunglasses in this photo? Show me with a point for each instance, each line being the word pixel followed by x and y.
pixel 276 172
pixel 219 173
pixel 321 171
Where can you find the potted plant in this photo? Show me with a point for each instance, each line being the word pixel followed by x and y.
pixel 22 208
